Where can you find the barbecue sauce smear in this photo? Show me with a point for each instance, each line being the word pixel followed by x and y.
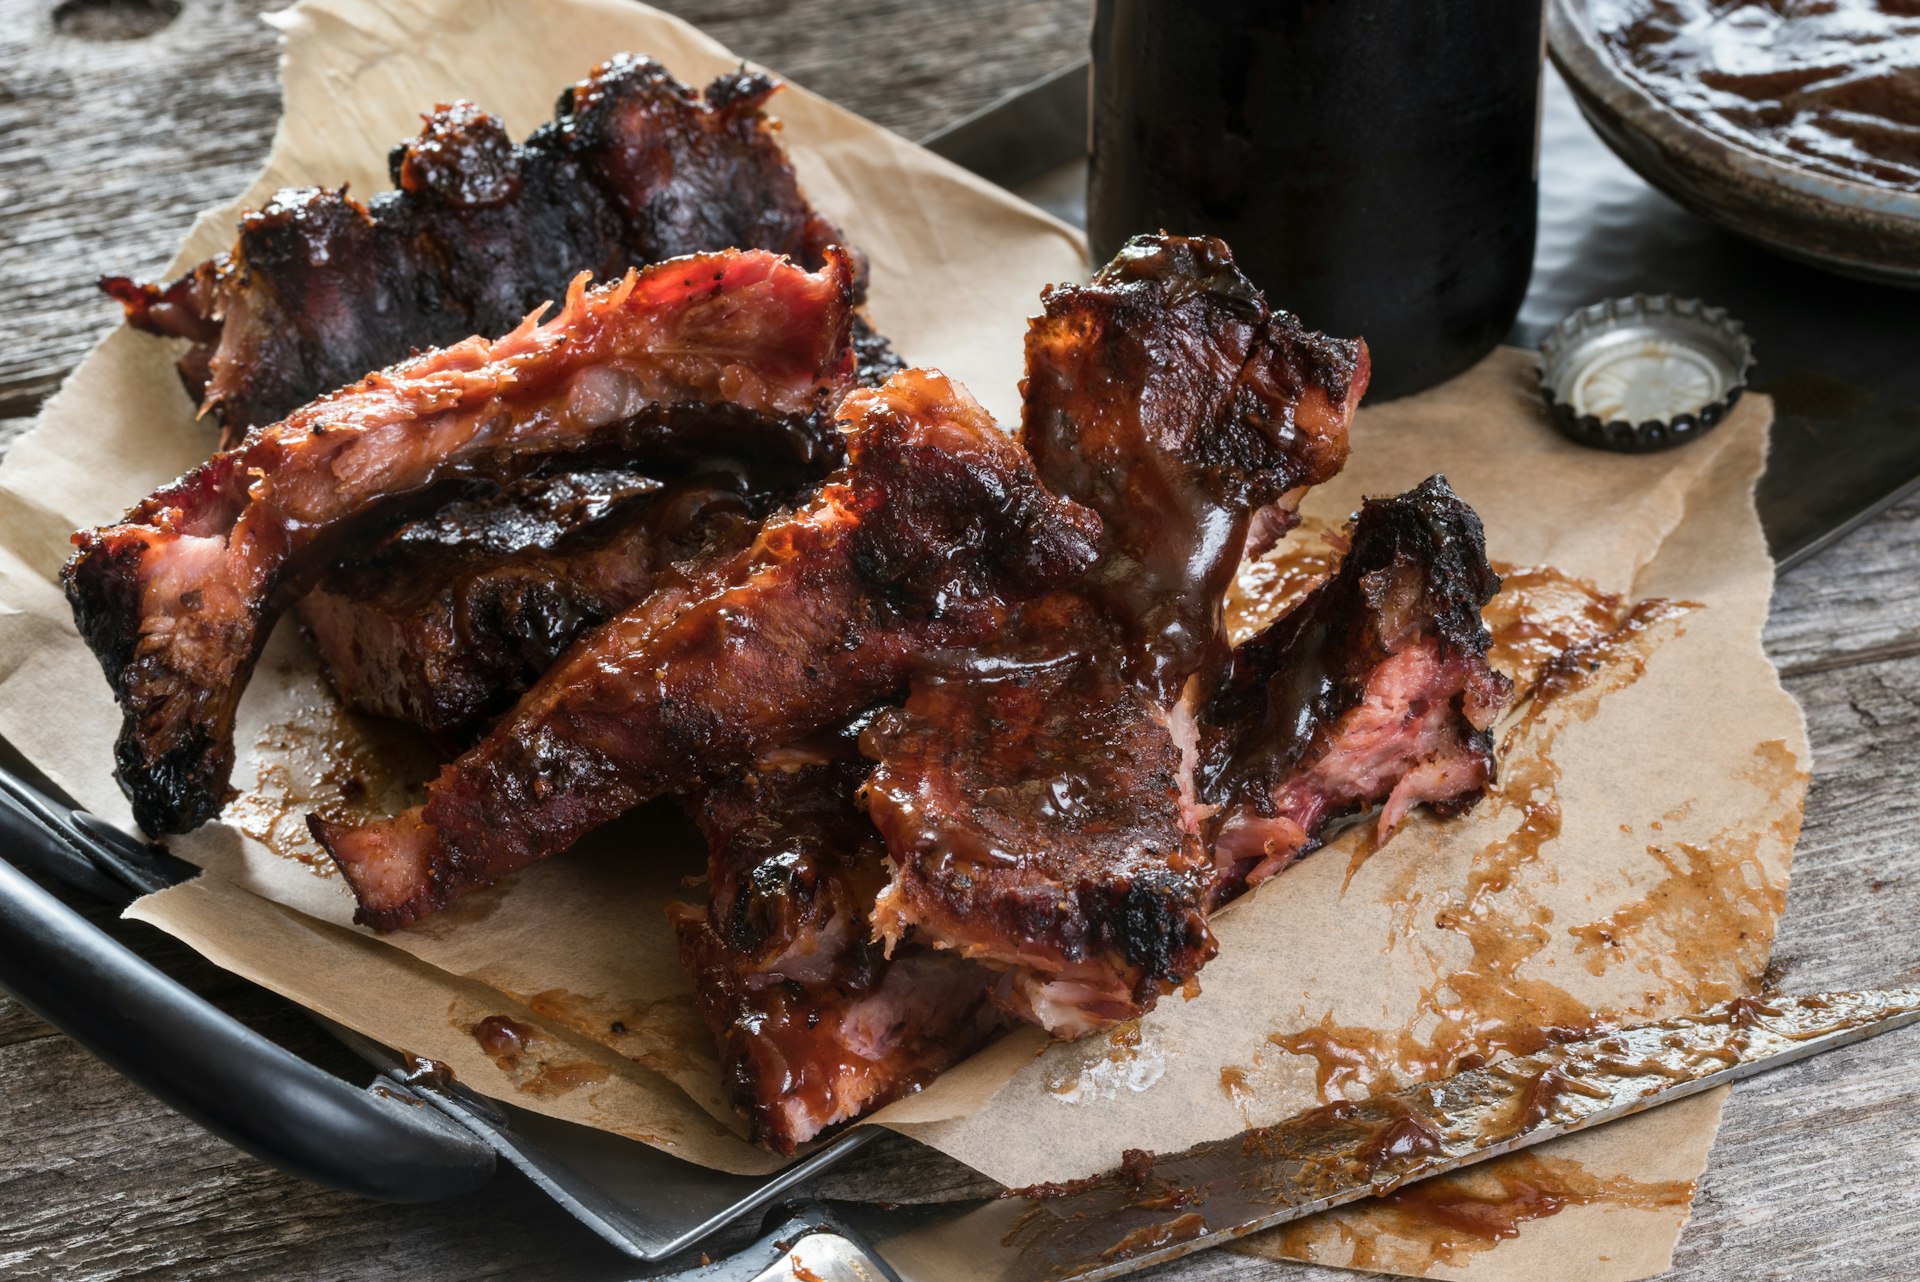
pixel 1557 637
pixel 320 758
pixel 1445 1221
pixel 1269 586
pixel 666 1036
pixel 1492 1006
pixel 1569 647
pixel 533 1061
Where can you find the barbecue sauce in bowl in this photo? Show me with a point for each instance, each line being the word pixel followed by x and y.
pixel 1827 85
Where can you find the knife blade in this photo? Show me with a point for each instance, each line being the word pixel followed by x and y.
pixel 1345 1152
pixel 1225 1189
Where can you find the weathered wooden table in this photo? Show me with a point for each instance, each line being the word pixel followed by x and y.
pixel 120 118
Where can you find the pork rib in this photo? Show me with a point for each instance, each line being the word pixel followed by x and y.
pixel 1038 800
pixel 1374 690
pixel 1032 805
pixel 319 289
pixel 1166 396
pixel 451 616
pixel 815 1023
pixel 933 532
pixel 734 353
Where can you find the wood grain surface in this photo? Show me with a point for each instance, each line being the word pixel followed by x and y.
pixel 120 118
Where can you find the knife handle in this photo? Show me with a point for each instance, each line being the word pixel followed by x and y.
pixel 201 1061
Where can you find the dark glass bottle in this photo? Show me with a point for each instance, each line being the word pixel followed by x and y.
pixel 1373 163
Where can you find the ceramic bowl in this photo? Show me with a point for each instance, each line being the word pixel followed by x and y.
pixel 1849 227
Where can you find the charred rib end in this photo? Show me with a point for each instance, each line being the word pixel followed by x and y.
pixel 177 783
pixel 176 790
pixel 1161 927
pixel 174 755
pixel 177 310
pixel 103 588
pixel 389 865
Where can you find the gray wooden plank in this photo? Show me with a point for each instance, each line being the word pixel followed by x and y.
pixel 107 150
pixel 1828 617
pixel 1817 1170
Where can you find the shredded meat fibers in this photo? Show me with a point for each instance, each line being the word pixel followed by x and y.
pixel 1373 691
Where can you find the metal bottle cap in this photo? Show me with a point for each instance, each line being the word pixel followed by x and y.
pixel 1643 373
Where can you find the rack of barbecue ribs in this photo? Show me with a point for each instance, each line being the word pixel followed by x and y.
pixel 452 616
pixel 737 353
pixel 477 232
pixel 1373 692
pixel 954 707
pixel 930 536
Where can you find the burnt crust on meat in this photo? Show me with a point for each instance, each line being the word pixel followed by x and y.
pixel 687 174
pixel 792 860
pixel 1168 397
pixel 477 232
pixel 816 1023
pixel 875 361
pixel 927 539
pixel 1034 818
pixel 443 621
pixel 448 618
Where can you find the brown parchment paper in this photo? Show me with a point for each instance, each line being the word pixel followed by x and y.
pixel 1672 801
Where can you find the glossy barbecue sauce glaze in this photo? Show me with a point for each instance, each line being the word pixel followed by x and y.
pixel 1830 85
pixel 532 1060
pixel 1568 647
pixel 1447 1220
